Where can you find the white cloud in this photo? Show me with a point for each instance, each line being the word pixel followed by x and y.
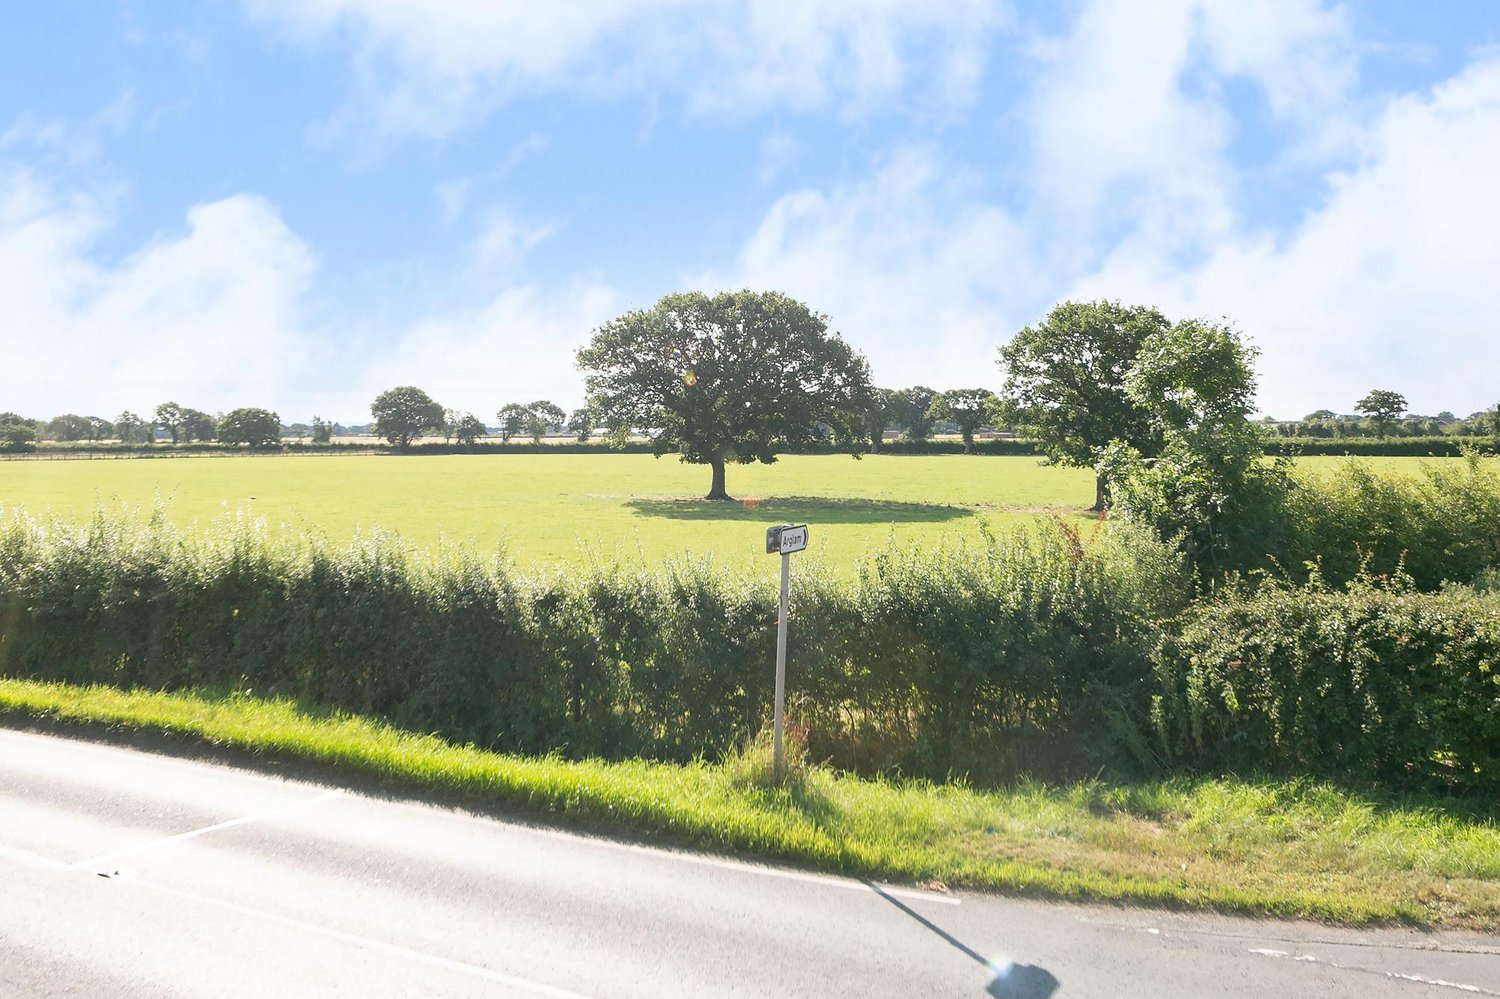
pixel 428 68
pixel 914 271
pixel 217 316
pixel 517 347
pixel 207 316
pixel 1128 119
pixel 73 142
pixel 1390 284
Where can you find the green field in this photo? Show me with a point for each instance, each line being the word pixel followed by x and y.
pixel 551 509
pixel 565 508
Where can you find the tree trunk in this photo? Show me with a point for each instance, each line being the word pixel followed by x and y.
pixel 968 443
pixel 875 438
pixel 1101 494
pixel 716 491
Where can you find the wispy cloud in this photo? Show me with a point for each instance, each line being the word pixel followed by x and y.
pixel 428 69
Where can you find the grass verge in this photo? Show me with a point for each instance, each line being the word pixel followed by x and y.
pixel 1274 848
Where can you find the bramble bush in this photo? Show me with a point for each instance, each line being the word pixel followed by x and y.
pixel 1442 526
pixel 1374 683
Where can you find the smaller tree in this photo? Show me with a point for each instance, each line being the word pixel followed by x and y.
pixel 968 409
pixel 255 427
pixel 914 419
pixel 197 425
pixel 1383 407
pixel 322 430
pixel 1207 488
pixel 468 428
pixel 100 428
pixel 132 429
pixel 69 427
pixel 404 413
pixel 170 416
pixel 450 423
pixel 512 417
pixel 887 406
pixel 541 415
pixel 581 424
pixel 17 433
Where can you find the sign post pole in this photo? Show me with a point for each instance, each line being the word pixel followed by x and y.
pixel 782 540
pixel 778 760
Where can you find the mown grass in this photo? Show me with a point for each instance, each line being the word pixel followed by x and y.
pixel 559 509
pixel 1284 848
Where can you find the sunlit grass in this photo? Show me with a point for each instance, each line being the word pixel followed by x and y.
pixel 1288 848
pixel 557 509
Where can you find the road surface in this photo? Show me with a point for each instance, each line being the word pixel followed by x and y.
pixel 124 873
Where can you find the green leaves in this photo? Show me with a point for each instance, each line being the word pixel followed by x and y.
pixel 404 413
pixel 255 427
pixel 733 377
pixel 1065 379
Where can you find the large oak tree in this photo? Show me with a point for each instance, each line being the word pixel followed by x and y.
pixel 732 377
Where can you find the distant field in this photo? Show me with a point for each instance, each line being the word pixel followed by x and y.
pixel 561 508
pixel 548 509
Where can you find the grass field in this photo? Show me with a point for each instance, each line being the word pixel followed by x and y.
pixel 550 509
pixel 562 508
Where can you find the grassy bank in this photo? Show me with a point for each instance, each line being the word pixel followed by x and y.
pixel 1279 848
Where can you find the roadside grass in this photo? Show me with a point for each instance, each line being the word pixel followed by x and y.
pixel 1258 847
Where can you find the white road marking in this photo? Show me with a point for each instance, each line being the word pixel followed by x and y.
pixel 827 880
pixel 1403 976
pixel 358 940
pixel 1438 947
pixel 194 833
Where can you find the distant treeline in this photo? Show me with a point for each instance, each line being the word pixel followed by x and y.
pixel 1441 447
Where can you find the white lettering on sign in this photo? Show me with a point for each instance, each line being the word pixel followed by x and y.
pixel 793 539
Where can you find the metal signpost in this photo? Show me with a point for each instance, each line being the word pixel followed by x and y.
pixel 783 540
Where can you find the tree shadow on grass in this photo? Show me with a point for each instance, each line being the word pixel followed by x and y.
pixel 813 509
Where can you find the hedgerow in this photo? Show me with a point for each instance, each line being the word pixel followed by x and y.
pixel 1019 653
pixel 1373 683
pixel 1035 652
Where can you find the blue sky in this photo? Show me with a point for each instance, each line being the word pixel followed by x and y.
pixel 299 203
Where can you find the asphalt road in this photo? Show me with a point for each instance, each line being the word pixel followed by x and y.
pixel 124 873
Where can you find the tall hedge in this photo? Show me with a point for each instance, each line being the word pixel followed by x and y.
pixel 1036 652
pixel 1023 653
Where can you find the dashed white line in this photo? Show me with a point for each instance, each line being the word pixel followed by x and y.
pixel 1403 976
pixel 194 833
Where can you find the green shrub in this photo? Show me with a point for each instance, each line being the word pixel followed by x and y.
pixel 1372 684
pixel 1442 526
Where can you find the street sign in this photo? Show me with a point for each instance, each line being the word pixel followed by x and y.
pixel 783 540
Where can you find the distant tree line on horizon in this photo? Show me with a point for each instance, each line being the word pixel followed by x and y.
pixel 736 377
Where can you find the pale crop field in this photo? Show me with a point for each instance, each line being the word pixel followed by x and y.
pixel 559 509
